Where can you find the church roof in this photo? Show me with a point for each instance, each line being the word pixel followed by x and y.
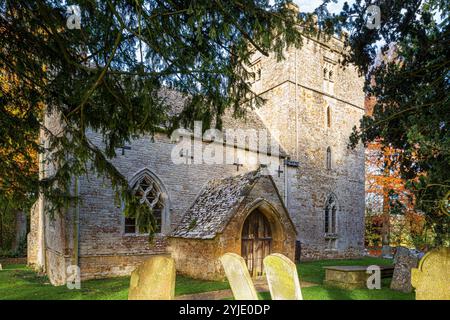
pixel 176 101
pixel 215 205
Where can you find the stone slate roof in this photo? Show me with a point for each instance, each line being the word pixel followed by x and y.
pixel 214 206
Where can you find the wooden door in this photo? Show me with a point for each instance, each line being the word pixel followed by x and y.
pixel 256 242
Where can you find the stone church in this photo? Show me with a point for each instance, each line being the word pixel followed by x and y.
pixel 310 207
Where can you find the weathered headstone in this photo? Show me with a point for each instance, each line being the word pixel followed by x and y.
pixel 238 276
pixel 401 251
pixel 1 267
pixel 153 280
pixel 432 278
pixel 404 261
pixel 386 252
pixel 282 278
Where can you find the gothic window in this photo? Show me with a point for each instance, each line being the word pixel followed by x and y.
pixel 329 68
pixel 149 193
pixel 328 117
pixel 331 215
pixel 256 69
pixel 328 158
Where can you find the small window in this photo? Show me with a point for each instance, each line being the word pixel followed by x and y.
pixel 330 76
pixel 325 73
pixel 258 75
pixel 328 158
pixel 328 117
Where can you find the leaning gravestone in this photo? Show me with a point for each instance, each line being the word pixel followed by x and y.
pixel 432 278
pixel 282 278
pixel 238 276
pixel 153 280
pixel 401 251
pixel 404 261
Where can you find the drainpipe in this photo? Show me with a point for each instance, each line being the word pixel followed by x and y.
pixel 76 225
pixel 286 185
pixel 296 109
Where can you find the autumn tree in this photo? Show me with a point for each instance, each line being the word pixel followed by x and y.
pixel 19 173
pixel 411 113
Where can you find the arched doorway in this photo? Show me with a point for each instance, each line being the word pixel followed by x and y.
pixel 256 242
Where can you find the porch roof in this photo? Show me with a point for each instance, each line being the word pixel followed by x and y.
pixel 215 206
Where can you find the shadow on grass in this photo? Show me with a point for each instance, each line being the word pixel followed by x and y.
pixel 21 283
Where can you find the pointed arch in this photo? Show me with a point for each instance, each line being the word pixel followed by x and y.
pixel 330 214
pixel 328 117
pixel 150 190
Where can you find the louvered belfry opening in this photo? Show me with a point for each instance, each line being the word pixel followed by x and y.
pixel 256 242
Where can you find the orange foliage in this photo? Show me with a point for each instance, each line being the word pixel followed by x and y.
pixel 385 187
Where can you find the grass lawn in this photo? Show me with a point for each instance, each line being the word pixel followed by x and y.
pixel 313 272
pixel 17 282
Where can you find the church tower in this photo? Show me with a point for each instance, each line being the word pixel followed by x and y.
pixel 313 102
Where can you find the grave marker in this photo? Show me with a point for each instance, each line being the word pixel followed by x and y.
pixel 432 277
pixel 282 278
pixel 238 276
pixel 153 280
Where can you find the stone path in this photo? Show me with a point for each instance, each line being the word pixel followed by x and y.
pixel 260 285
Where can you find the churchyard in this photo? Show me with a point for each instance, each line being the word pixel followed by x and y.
pixel 17 282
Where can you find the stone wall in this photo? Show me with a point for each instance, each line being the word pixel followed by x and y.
pixel 198 258
pixel 106 266
pixel 101 220
pixel 296 106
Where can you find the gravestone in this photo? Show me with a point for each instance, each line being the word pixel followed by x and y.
pixel 238 276
pixel 404 261
pixel 1 267
pixel 153 280
pixel 282 278
pixel 386 252
pixel 401 251
pixel 432 277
